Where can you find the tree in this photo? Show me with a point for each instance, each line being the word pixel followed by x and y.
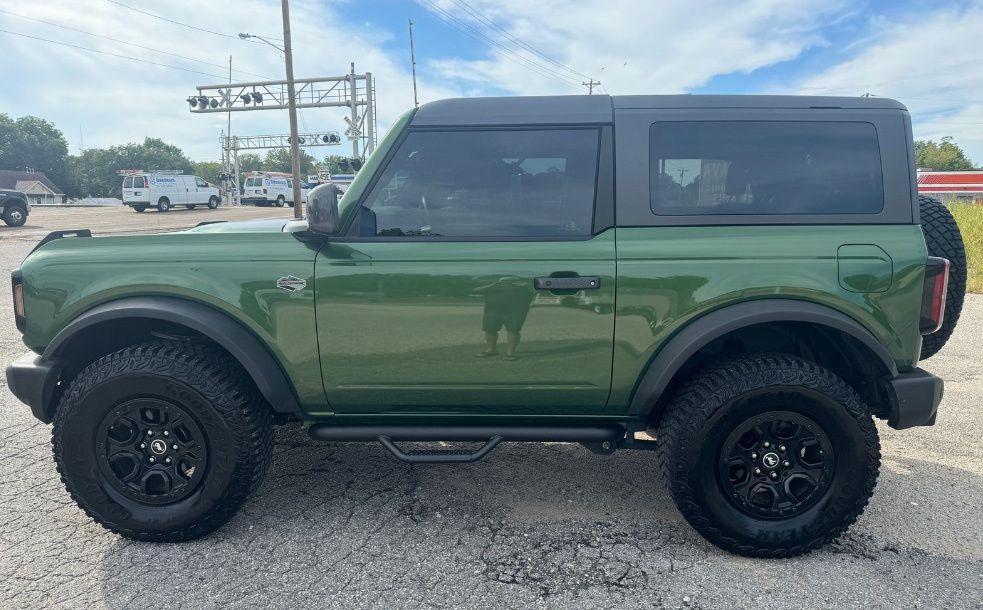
pixel 96 170
pixel 250 162
pixel 209 171
pixel 33 143
pixel 946 155
pixel 278 160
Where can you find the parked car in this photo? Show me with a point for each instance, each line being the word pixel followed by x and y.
pixel 271 188
pixel 14 208
pixel 164 190
pixel 761 294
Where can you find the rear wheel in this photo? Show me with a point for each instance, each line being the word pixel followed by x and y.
pixel 280 201
pixel 139 208
pixel 190 206
pixel 769 455
pixel 213 202
pixel 943 239
pixel 163 204
pixel 14 215
pixel 162 441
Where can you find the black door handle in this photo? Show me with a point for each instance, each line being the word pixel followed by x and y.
pixel 587 282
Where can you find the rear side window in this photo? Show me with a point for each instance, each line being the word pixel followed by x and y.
pixel 487 183
pixel 764 167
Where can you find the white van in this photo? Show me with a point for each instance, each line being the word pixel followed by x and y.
pixel 271 188
pixel 164 190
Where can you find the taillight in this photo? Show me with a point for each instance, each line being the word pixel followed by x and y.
pixel 933 295
pixel 146 183
pixel 20 319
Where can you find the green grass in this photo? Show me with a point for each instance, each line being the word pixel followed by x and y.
pixel 969 217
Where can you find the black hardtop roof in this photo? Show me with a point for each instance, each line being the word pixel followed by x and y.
pixel 575 109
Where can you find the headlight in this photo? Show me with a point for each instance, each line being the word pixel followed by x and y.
pixel 19 313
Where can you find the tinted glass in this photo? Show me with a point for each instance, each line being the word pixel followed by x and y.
pixel 761 167
pixel 505 183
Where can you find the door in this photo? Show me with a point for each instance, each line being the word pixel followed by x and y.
pixel 201 191
pixel 473 279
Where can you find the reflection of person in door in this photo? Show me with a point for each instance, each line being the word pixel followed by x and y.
pixel 507 303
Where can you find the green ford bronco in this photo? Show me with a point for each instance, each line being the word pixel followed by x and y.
pixel 741 284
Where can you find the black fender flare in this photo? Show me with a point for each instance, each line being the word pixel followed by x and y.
pixel 700 332
pixel 221 328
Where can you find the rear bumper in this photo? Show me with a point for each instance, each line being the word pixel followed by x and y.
pixel 33 382
pixel 915 398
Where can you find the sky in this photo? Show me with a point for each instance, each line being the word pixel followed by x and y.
pixel 927 54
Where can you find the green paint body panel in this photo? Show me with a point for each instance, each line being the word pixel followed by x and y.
pixel 232 271
pixel 389 328
pixel 400 325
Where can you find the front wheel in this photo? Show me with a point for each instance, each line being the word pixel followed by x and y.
pixel 769 455
pixel 15 215
pixel 162 441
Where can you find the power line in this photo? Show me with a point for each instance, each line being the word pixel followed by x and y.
pixel 91 50
pixel 479 16
pixel 469 30
pixel 182 24
pixel 132 44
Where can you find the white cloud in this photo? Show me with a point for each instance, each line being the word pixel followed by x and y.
pixel 931 63
pixel 641 46
pixel 113 101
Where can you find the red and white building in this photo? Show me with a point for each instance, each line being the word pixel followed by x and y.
pixel 949 185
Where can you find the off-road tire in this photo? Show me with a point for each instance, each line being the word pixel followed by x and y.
pixel 225 404
pixel 213 202
pixel 14 215
pixel 943 239
pixel 163 204
pixel 139 208
pixel 722 396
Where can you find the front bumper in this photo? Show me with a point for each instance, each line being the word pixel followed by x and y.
pixel 914 398
pixel 33 382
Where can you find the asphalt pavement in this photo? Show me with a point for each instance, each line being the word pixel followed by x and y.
pixel 346 525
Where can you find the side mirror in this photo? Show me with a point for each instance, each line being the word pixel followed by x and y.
pixel 322 210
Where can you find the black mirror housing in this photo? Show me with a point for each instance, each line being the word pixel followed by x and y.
pixel 322 210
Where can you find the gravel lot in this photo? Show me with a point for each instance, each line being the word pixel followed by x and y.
pixel 546 525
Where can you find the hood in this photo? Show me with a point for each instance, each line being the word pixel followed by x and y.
pixel 268 225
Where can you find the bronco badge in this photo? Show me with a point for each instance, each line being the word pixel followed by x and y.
pixel 291 283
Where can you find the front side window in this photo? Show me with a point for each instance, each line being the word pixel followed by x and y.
pixel 486 183
pixel 200 182
pixel 764 167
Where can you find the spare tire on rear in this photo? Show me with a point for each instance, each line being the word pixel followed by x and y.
pixel 943 239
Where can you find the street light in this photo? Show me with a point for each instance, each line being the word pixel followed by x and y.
pixel 288 60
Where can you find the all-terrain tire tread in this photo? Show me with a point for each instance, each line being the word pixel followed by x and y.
pixel 714 387
pixel 942 237
pixel 219 379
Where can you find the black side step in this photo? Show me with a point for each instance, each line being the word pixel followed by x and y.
pixel 491 435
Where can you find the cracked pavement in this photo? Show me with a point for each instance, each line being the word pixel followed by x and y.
pixel 546 525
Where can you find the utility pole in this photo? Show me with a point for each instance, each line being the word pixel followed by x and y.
pixel 416 104
pixel 590 84
pixel 231 182
pixel 294 143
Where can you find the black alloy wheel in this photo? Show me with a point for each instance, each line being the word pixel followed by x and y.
pixel 152 450
pixel 776 465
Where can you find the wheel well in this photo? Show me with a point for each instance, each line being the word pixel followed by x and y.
pixel 103 338
pixel 163 199
pixel 833 349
